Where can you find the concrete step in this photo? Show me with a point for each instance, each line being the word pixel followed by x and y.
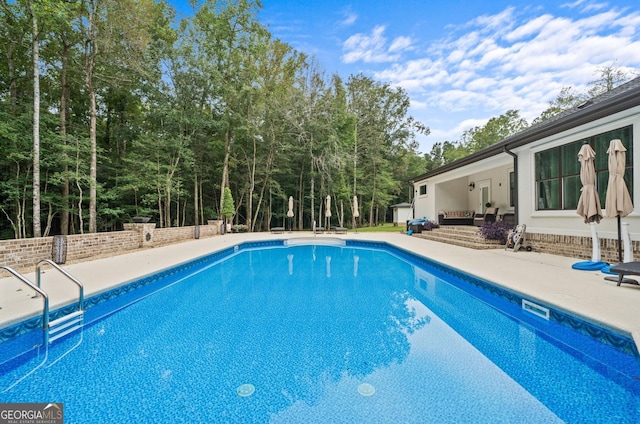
pixel 458 229
pixel 465 236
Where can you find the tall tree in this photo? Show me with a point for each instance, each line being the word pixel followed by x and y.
pixel 494 130
pixel 383 129
pixel 566 99
pixel 608 77
pixel 226 33
pixel 36 120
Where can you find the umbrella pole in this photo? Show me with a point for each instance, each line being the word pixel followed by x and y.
pixel 619 241
pixel 595 244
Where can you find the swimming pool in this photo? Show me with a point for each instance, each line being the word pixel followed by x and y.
pixel 269 332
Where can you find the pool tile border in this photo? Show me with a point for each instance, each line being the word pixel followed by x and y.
pixel 604 335
pixel 620 342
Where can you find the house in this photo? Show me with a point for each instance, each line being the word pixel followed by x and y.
pixel 402 212
pixel 535 175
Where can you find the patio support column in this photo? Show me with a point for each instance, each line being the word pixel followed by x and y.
pixel 515 182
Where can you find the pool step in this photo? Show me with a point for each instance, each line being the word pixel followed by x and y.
pixel 65 325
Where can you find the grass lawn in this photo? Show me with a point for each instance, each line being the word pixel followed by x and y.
pixel 384 228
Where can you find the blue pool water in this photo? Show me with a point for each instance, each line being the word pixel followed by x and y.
pixel 318 334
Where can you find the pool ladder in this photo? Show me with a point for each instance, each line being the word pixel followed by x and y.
pixel 66 324
pixel 69 323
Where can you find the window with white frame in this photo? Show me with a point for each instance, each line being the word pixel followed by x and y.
pixel 558 170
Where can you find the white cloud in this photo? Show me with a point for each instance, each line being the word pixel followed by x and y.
pixel 515 59
pixel 373 47
pixel 585 6
pixel 369 48
pixel 530 28
pixel 572 5
pixel 400 44
pixel 498 22
pixel 349 19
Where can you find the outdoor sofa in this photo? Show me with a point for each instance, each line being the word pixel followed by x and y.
pixel 455 217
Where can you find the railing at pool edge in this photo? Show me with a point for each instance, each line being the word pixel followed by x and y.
pixel 45 309
pixel 53 330
pixel 67 323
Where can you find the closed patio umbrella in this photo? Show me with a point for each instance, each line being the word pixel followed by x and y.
pixel 618 201
pixel 589 202
pixel 589 205
pixel 327 212
pixel 356 212
pixel 290 213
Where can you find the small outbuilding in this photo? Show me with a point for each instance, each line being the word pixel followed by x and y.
pixel 402 212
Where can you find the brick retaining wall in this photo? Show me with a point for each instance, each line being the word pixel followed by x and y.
pixel 576 246
pixel 24 254
pixel 163 236
pixel 82 246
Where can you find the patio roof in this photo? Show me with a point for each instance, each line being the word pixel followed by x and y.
pixel 401 205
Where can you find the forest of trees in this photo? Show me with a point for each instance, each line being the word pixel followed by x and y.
pixel 111 109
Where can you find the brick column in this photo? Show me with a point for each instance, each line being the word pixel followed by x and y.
pixel 217 224
pixel 145 231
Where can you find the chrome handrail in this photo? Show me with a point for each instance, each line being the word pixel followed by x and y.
pixel 66 274
pixel 45 310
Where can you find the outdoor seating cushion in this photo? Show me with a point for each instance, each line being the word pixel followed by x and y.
pixel 455 217
pixel 456 214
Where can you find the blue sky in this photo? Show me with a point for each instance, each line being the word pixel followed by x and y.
pixel 463 62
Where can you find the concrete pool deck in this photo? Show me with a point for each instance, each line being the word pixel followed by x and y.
pixel 538 276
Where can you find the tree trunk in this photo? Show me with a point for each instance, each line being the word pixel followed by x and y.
pixel 301 201
pixel 93 173
pixel 252 187
pixel 167 205
pixel 225 166
pixel 64 213
pixel 312 195
pixel 11 76
pixel 202 217
pixel 196 221
pixel 91 50
pixel 267 171
pixel 37 232
pixel 160 208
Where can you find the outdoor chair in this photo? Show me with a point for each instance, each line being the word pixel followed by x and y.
pixel 489 215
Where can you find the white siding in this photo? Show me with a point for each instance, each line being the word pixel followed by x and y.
pixel 450 190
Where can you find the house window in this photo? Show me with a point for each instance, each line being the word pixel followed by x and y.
pixel 423 190
pixel 558 170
